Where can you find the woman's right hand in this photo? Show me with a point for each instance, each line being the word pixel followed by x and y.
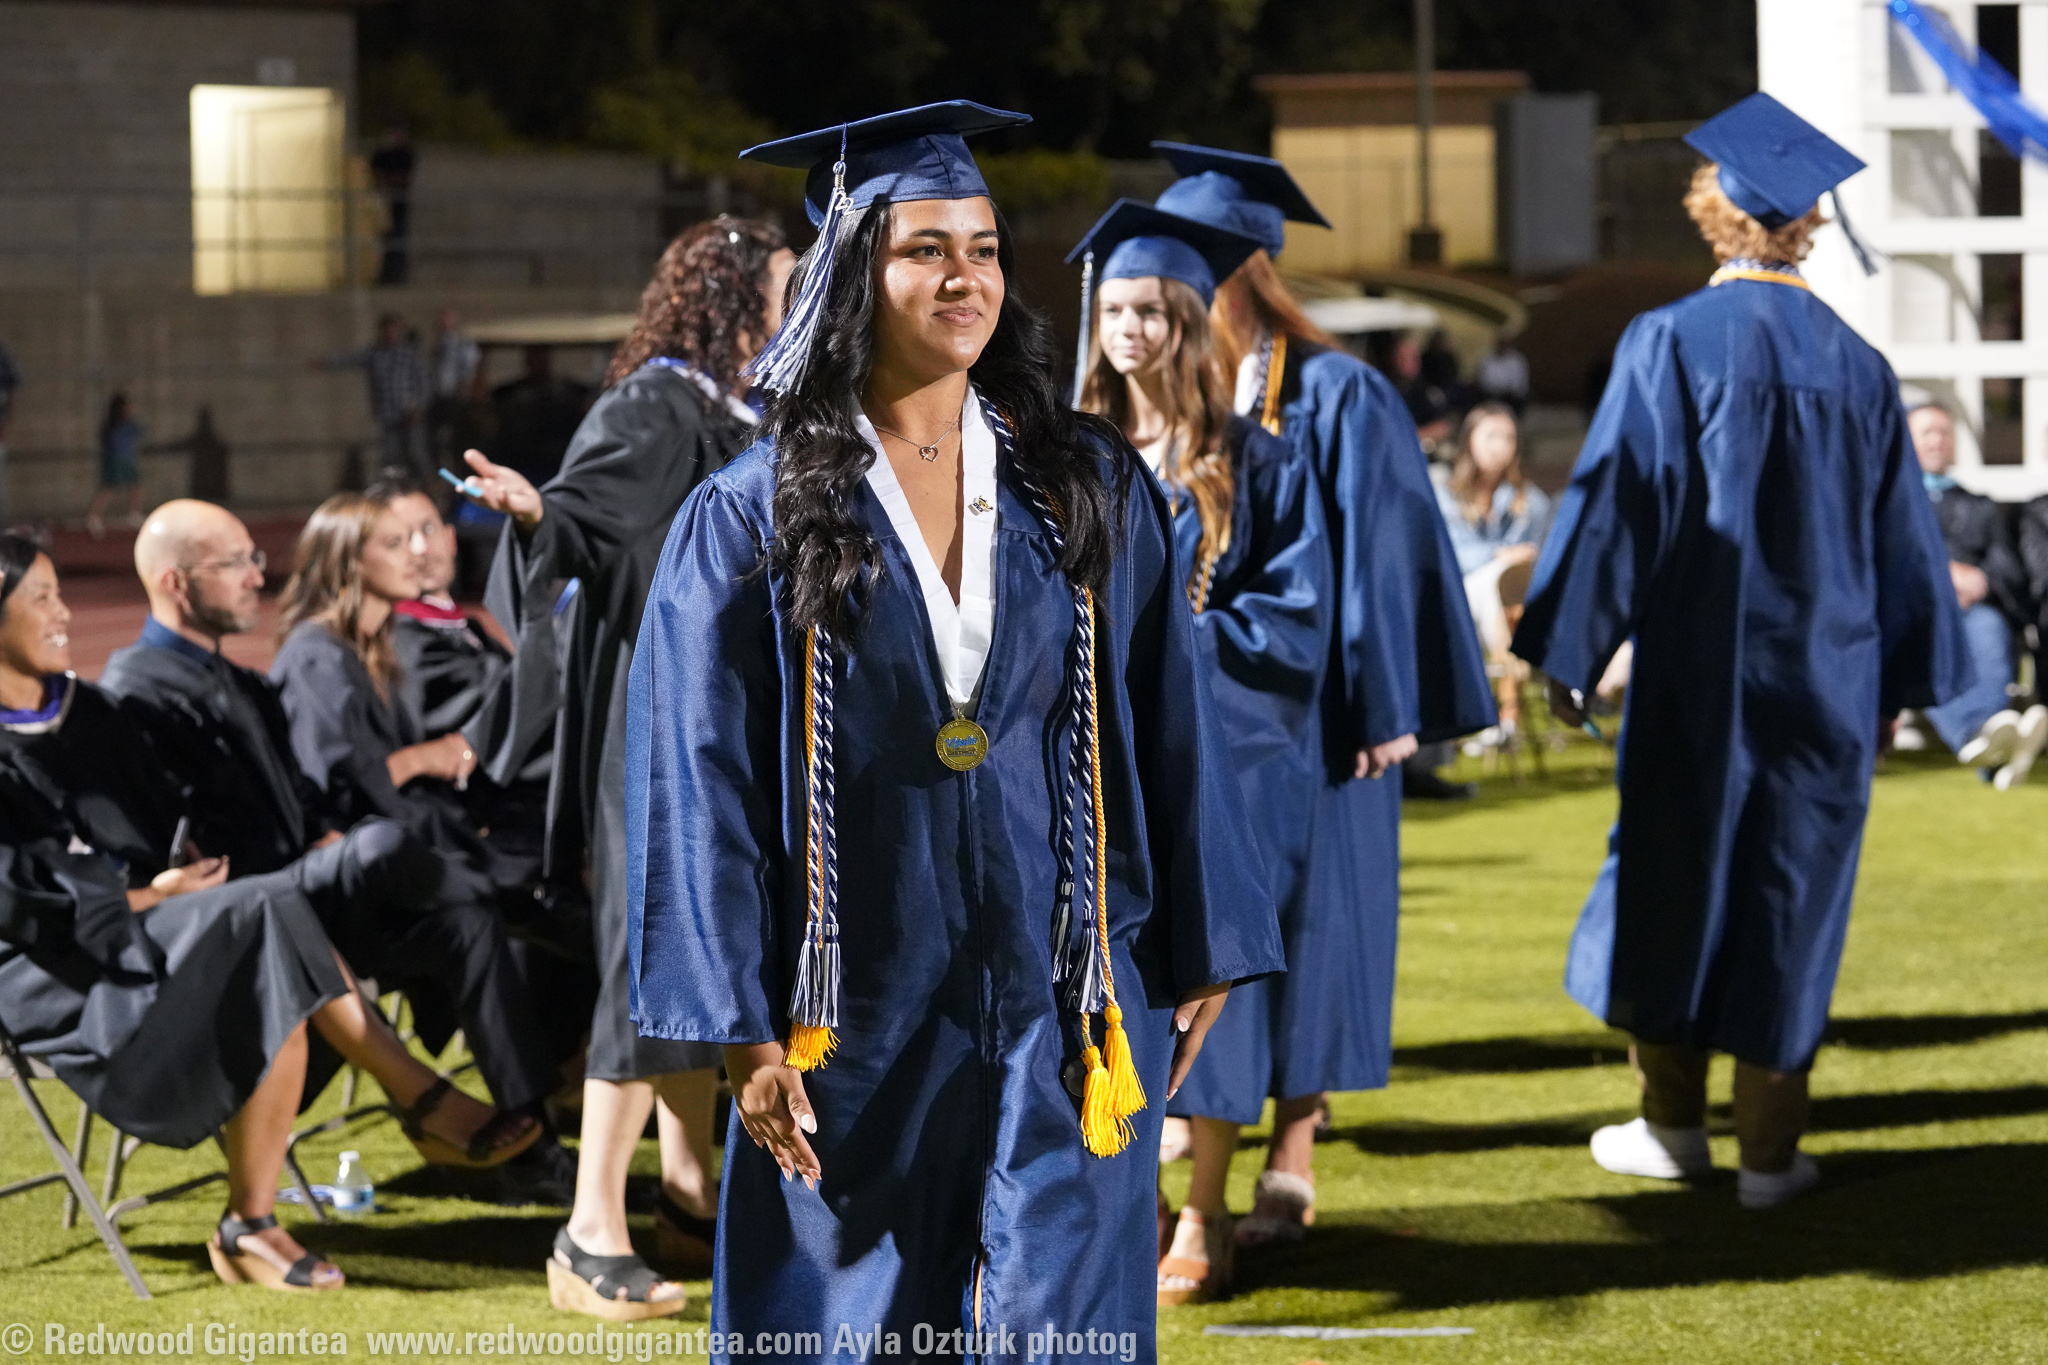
pixel 773 1107
pixel 449 758
pixel 504 489
pixel 203 875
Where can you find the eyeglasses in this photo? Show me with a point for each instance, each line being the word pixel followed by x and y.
pixel 255 559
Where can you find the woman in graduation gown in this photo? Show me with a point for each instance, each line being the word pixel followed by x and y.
pixel 1749 511
pixel 932 824
pixel 673 413
pixel 173 1001
pixel 1405 669
pixel 1248 530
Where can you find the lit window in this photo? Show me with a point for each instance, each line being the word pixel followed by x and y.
pixel 267 208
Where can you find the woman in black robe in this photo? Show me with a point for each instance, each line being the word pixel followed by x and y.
pixel 175 1005
pixel 336 672
pixel 671 415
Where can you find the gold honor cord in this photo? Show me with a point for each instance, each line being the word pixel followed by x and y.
pixel 1761 274
pixel 1275 368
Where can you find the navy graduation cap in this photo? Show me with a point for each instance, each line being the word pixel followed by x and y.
pixel 1775 165
pixel 1134 240
pixel 911 154
pixel 916 153
pixel 1250 194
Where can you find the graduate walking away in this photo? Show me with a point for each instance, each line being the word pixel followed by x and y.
pixel 1404 669
pixel 1248 530
pixel 1748 511
pixel 673 413
pixel 931 822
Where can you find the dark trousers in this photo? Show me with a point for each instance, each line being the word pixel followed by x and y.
pixel 386 902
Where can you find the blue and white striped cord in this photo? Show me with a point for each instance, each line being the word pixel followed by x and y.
pixel 815 997
pixel 1076 962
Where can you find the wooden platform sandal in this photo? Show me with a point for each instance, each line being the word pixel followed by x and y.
pixel 683 1243
pixel 496 1142
pixel 1209 1278
pixel 255 1263
pixel 614 1288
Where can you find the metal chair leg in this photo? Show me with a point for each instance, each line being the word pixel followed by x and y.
pixel 73 1177
pixel 117 1166
pixel 80 1147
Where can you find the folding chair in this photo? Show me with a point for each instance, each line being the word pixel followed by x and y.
pixel 103 1211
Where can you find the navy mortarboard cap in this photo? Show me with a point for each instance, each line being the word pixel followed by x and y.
pixel 1134 240
pixel 1775 165
pixel 1253 195
pixel 916 153
pixel 911 154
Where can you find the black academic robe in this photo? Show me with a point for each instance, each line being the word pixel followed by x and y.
pixel 1974 529
pixel 97 769
pixel 220 730
pixel 165 1021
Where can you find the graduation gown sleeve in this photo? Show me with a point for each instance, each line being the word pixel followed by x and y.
pixel 1405 644
pixel 1220 918
pixel 704 789
pixel 1616 520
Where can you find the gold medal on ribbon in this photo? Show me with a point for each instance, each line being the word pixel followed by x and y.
pixel 962 744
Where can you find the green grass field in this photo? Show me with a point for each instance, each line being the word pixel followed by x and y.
pixel 1463 1195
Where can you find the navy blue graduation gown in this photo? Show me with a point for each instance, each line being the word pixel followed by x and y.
pixel 1404 659
pixel 956 1188
pixel 1748 508
pixel 1265 634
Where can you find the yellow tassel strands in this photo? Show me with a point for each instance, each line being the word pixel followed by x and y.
pixel 810 1047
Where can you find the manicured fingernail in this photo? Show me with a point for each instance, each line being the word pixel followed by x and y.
pixel 1181 1025
pixel 810 1183
pixel 807 1123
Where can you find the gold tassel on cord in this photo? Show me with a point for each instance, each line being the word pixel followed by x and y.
pixel 1103 1131
pixel 1126 1091
pixel 809 1047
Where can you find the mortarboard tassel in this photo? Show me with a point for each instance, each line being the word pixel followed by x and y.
pixel 781 364
pixel 1864 256
pixel 1087 325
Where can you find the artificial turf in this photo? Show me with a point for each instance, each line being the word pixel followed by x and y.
pixel 1462 1196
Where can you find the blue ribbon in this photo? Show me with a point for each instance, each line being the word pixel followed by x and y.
pixel 1977 76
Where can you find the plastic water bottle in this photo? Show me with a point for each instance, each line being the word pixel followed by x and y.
pixel 353 1192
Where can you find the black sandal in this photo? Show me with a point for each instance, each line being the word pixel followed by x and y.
pixel 236 1266
pixel 683 1242
pixel 487 1146
pixel 579 1282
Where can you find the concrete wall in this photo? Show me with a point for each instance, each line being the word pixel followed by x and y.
pixel 96 97
pixel 250 357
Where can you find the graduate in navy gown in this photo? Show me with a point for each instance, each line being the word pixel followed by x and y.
pixel 1405 669
pixel 1248 529
pixel 930 821
pixel 1748 510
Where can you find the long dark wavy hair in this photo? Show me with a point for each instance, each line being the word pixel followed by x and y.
pixel 706 295
pixel 828 557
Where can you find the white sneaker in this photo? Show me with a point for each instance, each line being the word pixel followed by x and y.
pixel 1908 739
pixel 1757 1190
pixel 1994 742
pixel 2033 737
pixel 1649 1149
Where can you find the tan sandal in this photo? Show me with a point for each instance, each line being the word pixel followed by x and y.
pixel 615 1288
pixel 236 1266
pixel 1212 1275
pixel 1284 1209
pixel 492 1144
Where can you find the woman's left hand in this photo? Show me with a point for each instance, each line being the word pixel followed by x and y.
pixel 1197 1010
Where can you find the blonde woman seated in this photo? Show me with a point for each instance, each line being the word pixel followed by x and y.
pixel 1497 519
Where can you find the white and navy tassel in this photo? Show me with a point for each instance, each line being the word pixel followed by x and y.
pixel 1087 325
pixel 783 362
